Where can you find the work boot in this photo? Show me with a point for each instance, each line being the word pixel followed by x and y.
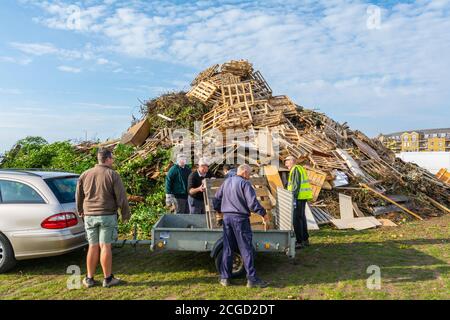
pixel 257 284
pixel 110 281
pixel 225 282
pixel 299 246
pixel 88 282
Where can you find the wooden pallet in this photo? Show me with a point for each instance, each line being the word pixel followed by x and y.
pixel 203 91
pixel 225 79
pixel 261 89
pixel 327 163
pixel 284 104
pixel 237 93
pixel 262 194
pixel 316 180
pixel 206 74
pixel 241 68
pixel 226 117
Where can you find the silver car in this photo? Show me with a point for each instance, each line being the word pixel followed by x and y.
pixel 37 215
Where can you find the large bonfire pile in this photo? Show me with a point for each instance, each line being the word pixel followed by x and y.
pixel 235 98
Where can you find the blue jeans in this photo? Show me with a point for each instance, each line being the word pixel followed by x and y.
pixel 196 206
pixel 237 234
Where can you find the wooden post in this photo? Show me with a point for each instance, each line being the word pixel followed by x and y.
pixel 391 201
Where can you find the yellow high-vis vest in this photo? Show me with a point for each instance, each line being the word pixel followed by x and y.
pixel 305 190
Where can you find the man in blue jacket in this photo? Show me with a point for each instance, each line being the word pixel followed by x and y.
pixel 176 185
pixel 236 199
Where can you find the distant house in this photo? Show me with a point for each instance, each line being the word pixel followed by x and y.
pixel 417 140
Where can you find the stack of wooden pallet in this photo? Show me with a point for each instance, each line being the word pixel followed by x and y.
pixel 243 119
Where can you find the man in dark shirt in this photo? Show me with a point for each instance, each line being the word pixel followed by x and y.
pixel 196 188
pixel 228 171
pixel 176 185
pixel 236 199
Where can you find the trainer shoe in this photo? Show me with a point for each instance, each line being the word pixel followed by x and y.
pixel 257 284
pixel 111 281
pixel 225 282
pixel 88 282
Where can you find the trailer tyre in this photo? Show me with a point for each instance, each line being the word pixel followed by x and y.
pixel 7 259
pixel 238 264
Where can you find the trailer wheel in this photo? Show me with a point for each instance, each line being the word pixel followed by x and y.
pixel 238 264
pixel 7 259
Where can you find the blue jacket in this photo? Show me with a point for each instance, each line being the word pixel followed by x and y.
pixel 236 195
pixel 231 173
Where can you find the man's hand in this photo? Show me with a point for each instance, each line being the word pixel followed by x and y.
pixel 169 199
pixel 266 218
pixel 81 214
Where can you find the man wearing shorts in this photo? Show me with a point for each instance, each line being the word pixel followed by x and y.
pixel 100 193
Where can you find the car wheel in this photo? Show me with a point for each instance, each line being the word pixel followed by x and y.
pixel 7 260
pixel 238 264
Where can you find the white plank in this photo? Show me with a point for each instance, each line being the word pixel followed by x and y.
pixel 345 206
pixel 311 222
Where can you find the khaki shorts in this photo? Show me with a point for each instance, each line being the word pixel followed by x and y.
pixel 101 229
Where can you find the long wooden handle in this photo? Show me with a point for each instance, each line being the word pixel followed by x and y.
pixel 391 201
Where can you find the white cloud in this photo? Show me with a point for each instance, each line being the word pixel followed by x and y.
pixel 10 91
pixel 20 61
pixel 320 53
pixel 69 69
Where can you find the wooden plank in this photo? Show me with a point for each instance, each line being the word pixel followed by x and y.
pixel 357 211
pixel 387 223
pixel 273 178
pixel 345 206
pixel 391 201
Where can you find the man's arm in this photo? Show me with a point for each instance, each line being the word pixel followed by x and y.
pixel 217 200
pixel 191 189
pixel 121 197
pixel 169 181
pixel 295 182
pixel 252 202
pixel 79 197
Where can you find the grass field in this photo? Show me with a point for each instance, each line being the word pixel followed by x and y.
pixel 414 261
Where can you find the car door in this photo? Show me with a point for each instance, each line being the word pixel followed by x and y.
pixel 22 206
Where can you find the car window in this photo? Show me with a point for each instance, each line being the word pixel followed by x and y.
pixel 16 192
pixel 64 188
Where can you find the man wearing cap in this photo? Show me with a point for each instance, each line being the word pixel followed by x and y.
pixel 196 187
pixel 236 199
pixel 176 185
pixel 298 183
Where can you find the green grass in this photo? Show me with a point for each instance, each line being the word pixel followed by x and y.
pixel 414 261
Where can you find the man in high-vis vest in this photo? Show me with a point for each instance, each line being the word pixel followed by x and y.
pixel 298 183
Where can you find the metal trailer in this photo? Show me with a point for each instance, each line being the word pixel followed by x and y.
pixel 188 232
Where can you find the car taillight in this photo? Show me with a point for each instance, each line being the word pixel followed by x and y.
pixel 60 221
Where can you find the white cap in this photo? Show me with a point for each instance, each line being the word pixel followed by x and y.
pixel 203 162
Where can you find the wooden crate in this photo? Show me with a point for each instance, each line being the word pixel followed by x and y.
pixel 137 134
pixel 262 193
pixel 316 180
pixel 205 74
pixel 443 175
pixel 203 91
pixel 237 93
pixel 284 104
pixel 241 68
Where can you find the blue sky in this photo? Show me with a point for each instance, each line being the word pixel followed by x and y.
pixel 71 68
